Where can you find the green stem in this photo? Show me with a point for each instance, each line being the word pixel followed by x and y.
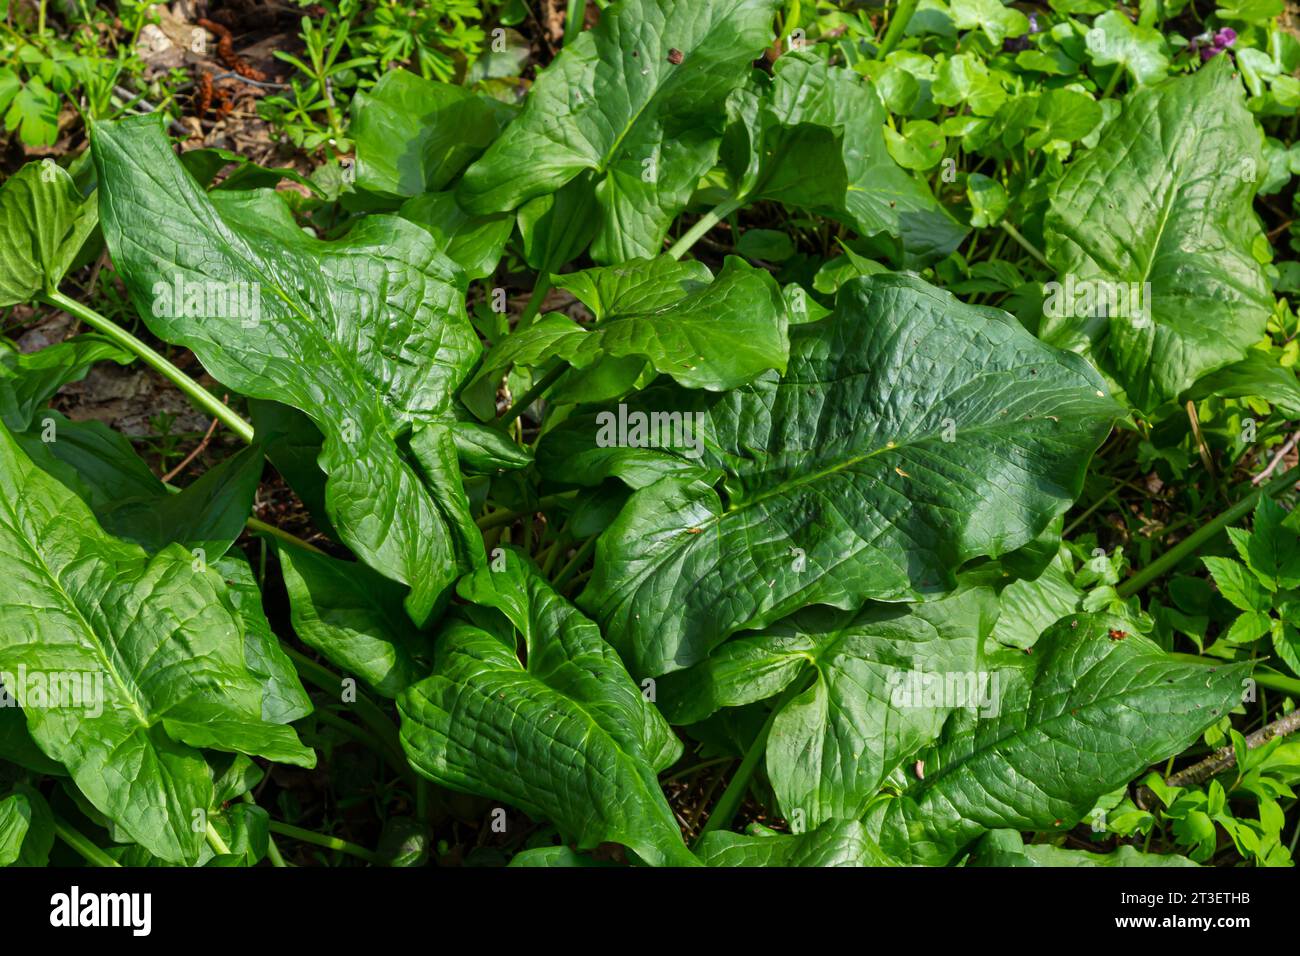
pixel 1112 82
pixel 499 519
pixel 366 710
pixel 1092 508
pixel 575 562
pixel 577 15
pixel 706 222
pixel 84 848
pixel 731 798
pixel 533 394
pixel 253 524
pixel 1025 244
pixel 199 395
pixel 329 842
pixel 534 304
pixel 1201 535
pixel 214 840
pixel 898 21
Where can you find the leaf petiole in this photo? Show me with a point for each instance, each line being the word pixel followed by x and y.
pixel 329 842
pixel 201 397
pixel 84 848
pixel 730 800
pixel 706 222
pixel 533 394
pixel 1193 541
pixel 214 840
pixel 898 21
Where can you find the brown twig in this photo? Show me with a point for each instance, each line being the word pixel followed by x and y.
pixel 1276 459
pixel 1201 447
pixel 1225 758
pixel 192 455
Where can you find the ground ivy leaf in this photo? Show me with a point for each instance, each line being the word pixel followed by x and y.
pixel 566 737
pixel 379 315
pixel 1164 198
pixel 965 78
pixel 1082 715
pixel 614 101
pixel 164 649
pixel 997 22
pixel 44 220
pixel 840 486
pixel 1114 38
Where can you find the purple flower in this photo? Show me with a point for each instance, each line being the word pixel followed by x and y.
pixel 1225 38
pixel 1033 23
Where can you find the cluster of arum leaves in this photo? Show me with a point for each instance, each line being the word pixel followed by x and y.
pixel 768 512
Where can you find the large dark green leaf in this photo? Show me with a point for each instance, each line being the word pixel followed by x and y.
pixel 44 220
pixel 414 135
pixel 911 433
pixel 812 137
pixel 378 316
pixel 837 843
pixel 91 459
pixel 353 617
pixel 283 698
pixel 638 100
pixel 1164 198
pixel 206 516
pixel 871 702
pixel 1258 375
pixel 1082 715
pixel 566 736
pixel 474 243
pixel 159 650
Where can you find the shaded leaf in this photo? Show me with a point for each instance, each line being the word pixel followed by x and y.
pixel 566 736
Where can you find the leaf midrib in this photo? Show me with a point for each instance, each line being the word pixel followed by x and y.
pixel 1070 714
pixel 94 641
